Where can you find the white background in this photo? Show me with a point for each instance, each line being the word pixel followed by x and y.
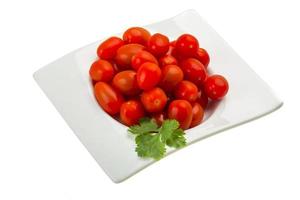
pixel 40 157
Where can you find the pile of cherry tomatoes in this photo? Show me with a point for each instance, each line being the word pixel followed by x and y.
pixel 144 75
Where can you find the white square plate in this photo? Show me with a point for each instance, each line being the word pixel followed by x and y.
pixel 66 83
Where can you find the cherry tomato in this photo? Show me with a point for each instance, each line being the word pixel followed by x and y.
pixel 101 70
pixel 125 54
pixel 131 112
pixel 108 98
pixel 148 75
pixel 126 82
pixel 142 57
pixel 159 117
pixel 187 45
pixel 167 60
pixel 108 49
pixel 202 56
pixel 171 75
pixel 173 43
pixel 194 71
pixel 202 100
pixel 216 87
pixel 154 100
pixel 136 35
pixel 186 90
pixel 158 44
pixel 181 110
pixel 198 114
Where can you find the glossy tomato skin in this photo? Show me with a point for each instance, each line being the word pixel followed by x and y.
pixel 186 90
pixel 171 75
pixel 194 71
pixel 148 75
pixel 101 70
pixel 108 49
pixel 203 57
pixel 187 45
pixel 154 100
pixel 159 117
pixel 181 110
pixel 125 53
pixel 137 35
pixel 202 99
pixel 131 112
pixel 216 87
pixel 108 98
pixel 167 60
pixel 126 83
pixel 158 44
pixel 142 57
pixel 198 114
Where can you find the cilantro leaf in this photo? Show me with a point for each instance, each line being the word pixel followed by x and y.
pixel 177 139
pixel 167 129
pixel 147 125
pixel 150 146
pixel 151 140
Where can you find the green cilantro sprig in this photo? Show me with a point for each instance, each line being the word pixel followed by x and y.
pixel 151 140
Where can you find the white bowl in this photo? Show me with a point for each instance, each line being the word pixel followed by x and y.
pixel 66 83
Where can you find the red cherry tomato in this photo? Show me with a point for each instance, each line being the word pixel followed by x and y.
pixel 154 100
pixel 202 100
pixel 108 49
pixel 167 60
pixel 101 70
pixel 108 98
pixel 186 90
pixel 158 44
pixel 198 114
pixel 216 87
pixel 126 82
pixel 202 56
pixel 173 43
pixel 181 110
pixel 131 112
pixel 136 35
pixel 187 45
pixel 194 71
pixel 125 54
pixel 148 76
pixel 142 57
pixel 171 75
pixel 159 117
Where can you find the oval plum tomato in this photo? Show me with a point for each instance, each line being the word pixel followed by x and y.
pixel 159 117
pixel 181 110
pixel 167 60
pixel 194 71
pixel 126 82
pixel 108 98
pixel 202 100
pixel 216 87
pixel 171 75
pixel 108 49
pixel 131 112
pixel 154 100
pixel 158 44
pixel 142 57
pixel 186 90
pixel 148 75
pixel 125 54
pixel 101 70
pixel 198 114
pixel 187 45
pixel 202 56
pixel 136 35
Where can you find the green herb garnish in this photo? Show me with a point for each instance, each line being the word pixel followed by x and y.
pixel 151 140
